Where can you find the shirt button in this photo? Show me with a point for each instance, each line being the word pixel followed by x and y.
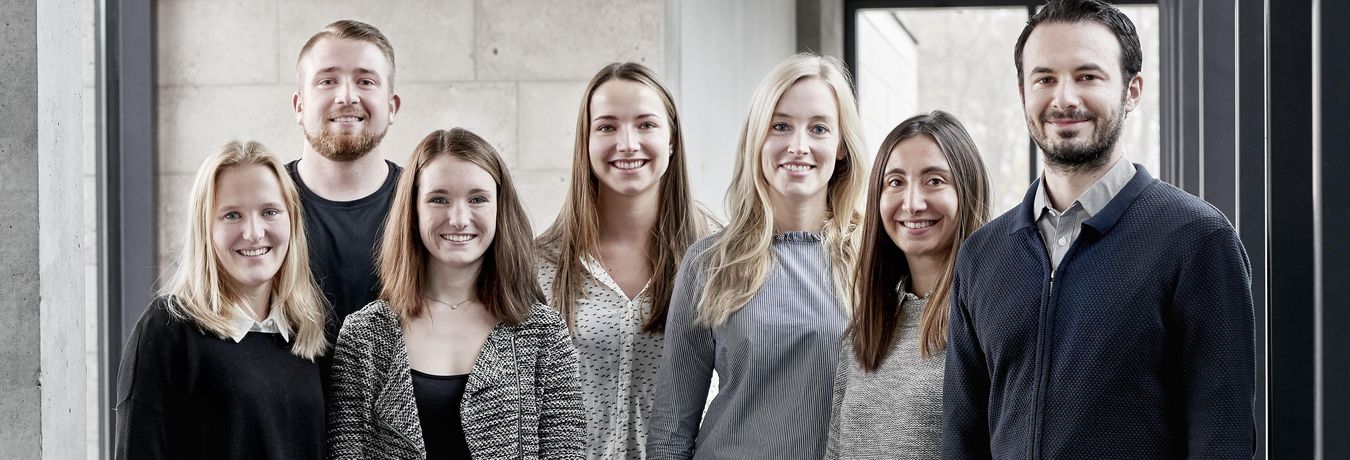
pixel 1063 240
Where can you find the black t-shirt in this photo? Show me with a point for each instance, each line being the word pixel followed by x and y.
pixel 344 238
pixel 182 393
pixel 438 398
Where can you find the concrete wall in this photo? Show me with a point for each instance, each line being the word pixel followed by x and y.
pixel 512 71
pixel 720 52
pixel 42 374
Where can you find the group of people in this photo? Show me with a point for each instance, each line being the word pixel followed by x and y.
pixel 342 306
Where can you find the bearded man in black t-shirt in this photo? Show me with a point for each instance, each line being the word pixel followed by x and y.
pixel 345 102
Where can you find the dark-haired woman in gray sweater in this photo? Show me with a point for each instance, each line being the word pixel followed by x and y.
pixel 928 192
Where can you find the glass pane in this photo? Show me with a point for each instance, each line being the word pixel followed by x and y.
pixel 960 60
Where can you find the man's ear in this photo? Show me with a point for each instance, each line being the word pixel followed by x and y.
pixel 1133 92
pixel 298 106
pixel 394 103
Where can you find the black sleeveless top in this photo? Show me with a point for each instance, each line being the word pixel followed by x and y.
pixel 438 398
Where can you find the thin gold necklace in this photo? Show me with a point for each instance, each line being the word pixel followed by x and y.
pixel 453 306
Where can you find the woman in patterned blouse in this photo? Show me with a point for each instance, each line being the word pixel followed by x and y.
pixel 460 358
pixel 927 193
pixel 608 262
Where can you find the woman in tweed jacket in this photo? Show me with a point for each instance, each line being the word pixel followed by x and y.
pixel 460 358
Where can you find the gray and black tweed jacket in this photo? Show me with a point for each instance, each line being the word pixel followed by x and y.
pixel 523 399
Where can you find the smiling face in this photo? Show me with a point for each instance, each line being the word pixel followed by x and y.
pixel 918 201
pixel 802 146
pixel 345 103
pixel 456 211
pixel 630 137
pixel 1074 95
pixel 250 227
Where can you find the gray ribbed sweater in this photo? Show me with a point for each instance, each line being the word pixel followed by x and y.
pixel 775 361
pixel 895 412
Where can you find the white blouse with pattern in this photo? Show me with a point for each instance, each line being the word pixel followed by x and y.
pixel 618 362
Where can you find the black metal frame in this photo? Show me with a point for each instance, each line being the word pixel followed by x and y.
pixel 126 183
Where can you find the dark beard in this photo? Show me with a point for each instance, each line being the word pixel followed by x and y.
pixel 1070 157
pixel 344 147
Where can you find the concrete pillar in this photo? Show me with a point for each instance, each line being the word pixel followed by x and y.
pixel 42 369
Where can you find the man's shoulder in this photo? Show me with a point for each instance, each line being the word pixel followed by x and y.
pixel 1165 204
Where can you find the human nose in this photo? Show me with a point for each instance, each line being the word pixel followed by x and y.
pixel 628 140
pixel 797 143
pixel 346 93
pixel 1066 96
pixel 458 216
pixel 253 230
pixel 914 201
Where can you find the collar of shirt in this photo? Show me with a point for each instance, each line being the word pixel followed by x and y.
pixel 275 323
pixel 1095 198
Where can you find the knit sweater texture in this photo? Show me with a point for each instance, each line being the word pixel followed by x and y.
pixel 894 412
pixel 521 401
pixel 1139 346
pixel 184 393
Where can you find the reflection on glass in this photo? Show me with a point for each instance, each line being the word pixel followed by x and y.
pixel 960 60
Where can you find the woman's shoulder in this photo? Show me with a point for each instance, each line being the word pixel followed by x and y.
pixel 369 320
pixel 544 317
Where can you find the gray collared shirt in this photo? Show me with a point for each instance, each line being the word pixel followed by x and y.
pixel 1059 229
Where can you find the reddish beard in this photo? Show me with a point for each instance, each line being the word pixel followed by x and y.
pixel 344 146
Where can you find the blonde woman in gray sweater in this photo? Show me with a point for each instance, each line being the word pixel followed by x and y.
pixel 928 191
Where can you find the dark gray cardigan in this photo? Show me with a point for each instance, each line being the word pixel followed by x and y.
pixel 522 400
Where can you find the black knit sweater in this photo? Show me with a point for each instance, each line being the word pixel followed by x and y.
pixel 1141 347
pixel 185 394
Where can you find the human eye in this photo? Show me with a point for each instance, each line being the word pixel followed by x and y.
pixel 894 182
pixel 366 82
pixel 1043 81
pixel 437 199
pixel 647 125
pixel 325 81
pixel 780 127
pixel 232 215
pixel 820 129
pixel 937 181
pixel 271 212
pixel 604 128
pixel 478 199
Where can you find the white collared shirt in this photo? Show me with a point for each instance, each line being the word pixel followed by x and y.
pixel 243 323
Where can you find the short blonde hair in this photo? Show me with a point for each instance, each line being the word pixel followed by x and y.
pixel 198 285
pixel 352 30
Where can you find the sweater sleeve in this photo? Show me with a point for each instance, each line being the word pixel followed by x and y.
pixel 146 379
pixel 686 371
pixel 965 389
pixel 837 401
pixel 562 421
pixel 1213 305
pixel 350 394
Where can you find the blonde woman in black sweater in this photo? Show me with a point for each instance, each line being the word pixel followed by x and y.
pixel 221 365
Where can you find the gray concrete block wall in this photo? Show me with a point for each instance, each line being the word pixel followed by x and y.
pixel 511 71
pixel 41 306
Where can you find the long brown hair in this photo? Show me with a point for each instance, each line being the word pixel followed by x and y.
pixel 199 283
pixel 679 221
pixel 506 284
pixel 881 264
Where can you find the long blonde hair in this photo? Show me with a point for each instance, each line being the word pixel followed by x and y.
pixel 740 259
pixel 679 221
pixel 199 287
